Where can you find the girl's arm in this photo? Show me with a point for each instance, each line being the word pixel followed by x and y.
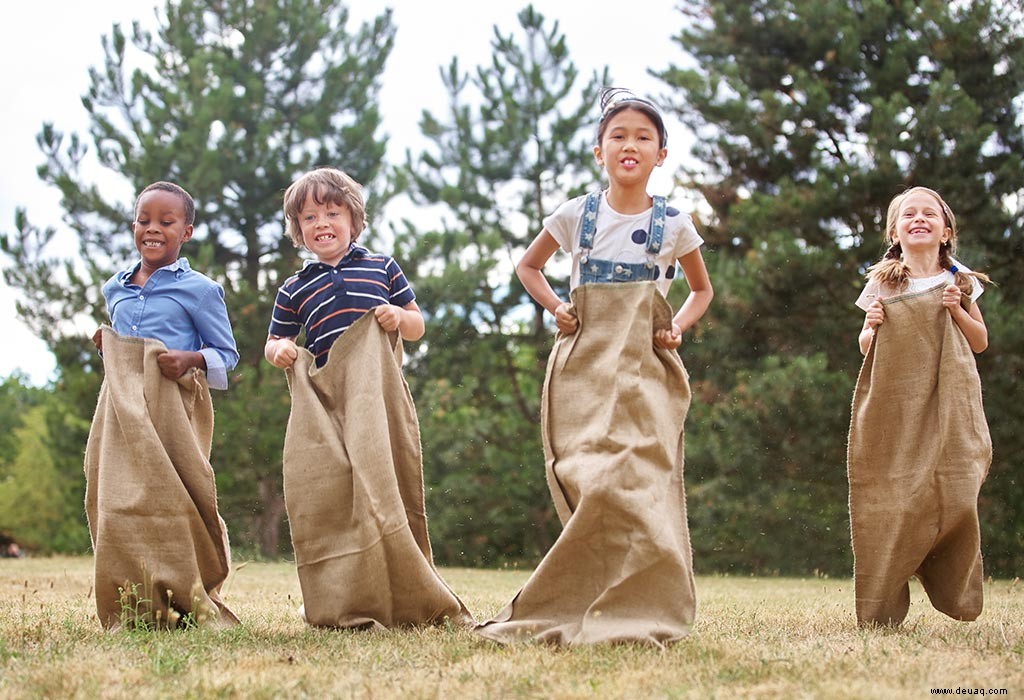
pixel 873 316
pixel 971 324
pixel 696 304
pixel 530 271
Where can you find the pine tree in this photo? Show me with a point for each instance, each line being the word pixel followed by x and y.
pixel 810 117
pixel 508 151
pixel 231 99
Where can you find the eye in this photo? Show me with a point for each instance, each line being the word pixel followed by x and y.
pixel 166 223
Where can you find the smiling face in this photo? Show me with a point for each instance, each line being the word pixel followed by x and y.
pixel 326 229
pixel 629 148
pixel 160 228
pixel 920 223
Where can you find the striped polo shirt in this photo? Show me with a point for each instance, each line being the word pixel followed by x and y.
pixel 326 300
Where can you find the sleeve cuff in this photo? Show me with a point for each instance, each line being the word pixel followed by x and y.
pixel 216 373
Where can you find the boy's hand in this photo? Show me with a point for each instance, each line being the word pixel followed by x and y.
pixel 283 353
pixel 174 363
pixel 669 338
pixel 566 320
pixel 97 339
pixel 388 316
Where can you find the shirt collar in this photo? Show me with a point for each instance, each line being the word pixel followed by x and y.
pixel 311 266
pixel 179 265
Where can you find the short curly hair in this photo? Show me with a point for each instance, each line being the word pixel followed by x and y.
pixel 323 185
pixel 187 202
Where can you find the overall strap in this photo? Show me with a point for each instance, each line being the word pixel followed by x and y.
pixel 657 226
pixel 588 224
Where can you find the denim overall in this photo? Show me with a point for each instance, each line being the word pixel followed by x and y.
pixel 594 270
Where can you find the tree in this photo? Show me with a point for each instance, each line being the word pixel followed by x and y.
pixel 508 151
pixel 232 99
pixel 39 506
pixel 810 116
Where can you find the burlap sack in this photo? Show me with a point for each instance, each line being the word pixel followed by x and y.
pixel 919 450
pixel 612 420
pixel 160 546
pixel 353 487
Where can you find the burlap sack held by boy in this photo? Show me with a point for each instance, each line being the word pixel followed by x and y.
pixel 160 546
pixel 353 485
pixel 919 451
pixel 612 422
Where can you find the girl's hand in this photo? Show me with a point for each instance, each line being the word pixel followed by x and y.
pixel 97 339
pixel 566 320
pixel 669 338
pixel 388 316
pixel 282 353
pixel 875 314
pixel 951 297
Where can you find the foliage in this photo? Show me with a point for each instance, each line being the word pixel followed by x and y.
pixel 35 504
pixel 510 149
pixel 231 99
pixel 810 116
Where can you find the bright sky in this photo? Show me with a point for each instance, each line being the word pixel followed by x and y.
pixel 47 50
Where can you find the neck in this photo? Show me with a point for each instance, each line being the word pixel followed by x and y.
pixel 922 263
pixel 632 199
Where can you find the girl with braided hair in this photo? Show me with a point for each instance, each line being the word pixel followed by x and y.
pixel 921 232
pixel 919 447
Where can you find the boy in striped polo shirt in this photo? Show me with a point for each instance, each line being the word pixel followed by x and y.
pixel 325 214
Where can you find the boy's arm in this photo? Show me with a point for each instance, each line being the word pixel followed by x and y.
pixel 219 352
pixel 280 352
pixel 407 320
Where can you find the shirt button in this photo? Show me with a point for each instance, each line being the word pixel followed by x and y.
pixel 142 297
pixel 135 328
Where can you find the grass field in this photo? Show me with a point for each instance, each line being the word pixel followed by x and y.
pixel 755 637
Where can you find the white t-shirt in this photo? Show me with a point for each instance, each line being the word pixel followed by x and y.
pixel 623 237
pixel 920 284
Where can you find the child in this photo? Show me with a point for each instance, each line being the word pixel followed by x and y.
pixel 325 214
pixel 615 399
pixel 161 547
pixel 919 445
pixel 353 475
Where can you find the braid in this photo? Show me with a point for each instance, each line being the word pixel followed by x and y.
pixel 891 272
pixel 960 278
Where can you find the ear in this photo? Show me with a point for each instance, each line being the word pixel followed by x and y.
pixel 187 235
pixel 598 157
pixel 661 156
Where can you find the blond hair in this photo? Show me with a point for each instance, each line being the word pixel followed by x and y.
pixel 323 185
pixel 892 273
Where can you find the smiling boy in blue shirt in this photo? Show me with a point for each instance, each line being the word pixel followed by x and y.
pixel 161 297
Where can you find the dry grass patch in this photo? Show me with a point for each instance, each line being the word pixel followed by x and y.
pixel 755 637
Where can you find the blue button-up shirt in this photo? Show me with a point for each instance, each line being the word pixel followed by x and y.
pixel 180 307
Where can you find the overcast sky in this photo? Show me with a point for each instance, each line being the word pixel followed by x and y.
pixel 47 48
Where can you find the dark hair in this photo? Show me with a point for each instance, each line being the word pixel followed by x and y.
pixel 616 99
pixel 186 199
pixel 323 185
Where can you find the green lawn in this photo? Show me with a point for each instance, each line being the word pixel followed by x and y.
pixel 755 637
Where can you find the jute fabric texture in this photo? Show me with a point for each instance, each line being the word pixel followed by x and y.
pixel 612 420
pixel 161 548
pixel 353 486
pixel 919 450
